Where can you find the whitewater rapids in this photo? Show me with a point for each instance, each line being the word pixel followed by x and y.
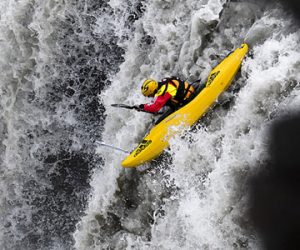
pixel 63 63
pixel 197 200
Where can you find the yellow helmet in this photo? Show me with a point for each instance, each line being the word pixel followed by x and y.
pixel 149 87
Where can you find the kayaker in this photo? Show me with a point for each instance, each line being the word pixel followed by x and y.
pixel 171 92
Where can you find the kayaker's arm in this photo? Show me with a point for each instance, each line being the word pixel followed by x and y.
pixel 159 102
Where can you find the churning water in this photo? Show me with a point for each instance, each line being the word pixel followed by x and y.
pixel 63 62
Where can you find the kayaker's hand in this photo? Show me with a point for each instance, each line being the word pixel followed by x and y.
pixel 139 107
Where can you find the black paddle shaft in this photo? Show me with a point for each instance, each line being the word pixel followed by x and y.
pixel 123 106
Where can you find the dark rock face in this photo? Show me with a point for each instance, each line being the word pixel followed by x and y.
pixel 275 189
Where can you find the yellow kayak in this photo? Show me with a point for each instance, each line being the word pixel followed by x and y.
pixel 157 140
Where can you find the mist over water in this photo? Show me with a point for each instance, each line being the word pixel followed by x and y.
pixel 64 62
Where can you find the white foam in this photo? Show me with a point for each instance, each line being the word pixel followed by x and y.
pixel 207 211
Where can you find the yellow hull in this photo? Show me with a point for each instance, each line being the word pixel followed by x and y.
pixel 157 139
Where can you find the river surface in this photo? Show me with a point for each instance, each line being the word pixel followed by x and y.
pixel 63 62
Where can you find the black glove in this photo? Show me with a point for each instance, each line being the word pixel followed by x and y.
pixel 139 107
